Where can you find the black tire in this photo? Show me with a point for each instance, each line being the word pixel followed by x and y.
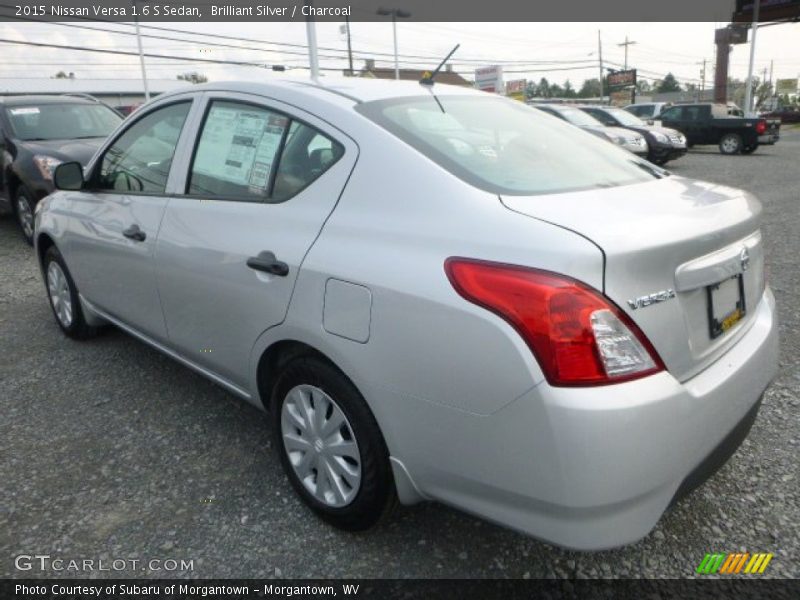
pixel 24 218
pixel 749 149
pixel 660 161
pixel 730 143
pixel 376 494
pixel 77 328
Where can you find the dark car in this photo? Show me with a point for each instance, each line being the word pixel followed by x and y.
pixel 37 133
pixel 722 125
pixel 789 114
pixel 630 140
pixel 665 144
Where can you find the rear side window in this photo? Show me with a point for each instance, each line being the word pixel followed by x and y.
pixel 505 147
pixel 249 153
pixel 140 159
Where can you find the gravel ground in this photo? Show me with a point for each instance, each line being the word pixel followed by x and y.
pixel 110 451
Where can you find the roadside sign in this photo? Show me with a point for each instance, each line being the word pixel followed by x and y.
pixel 489 79
pixel 516 89
pixel 621 79
pixel 621 98
pixel 786 86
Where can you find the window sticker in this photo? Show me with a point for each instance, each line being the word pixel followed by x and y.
pixel 239 145
pixel 24 110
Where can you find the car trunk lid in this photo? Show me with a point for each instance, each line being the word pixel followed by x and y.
pixel 679 256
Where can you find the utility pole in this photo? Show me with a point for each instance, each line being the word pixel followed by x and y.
pixel 626 43
pixel 349 48
pixel 311 34
pixel 600 56
pixel 748 94
pixel 702 81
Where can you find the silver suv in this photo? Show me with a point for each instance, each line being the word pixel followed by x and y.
pixel 436 293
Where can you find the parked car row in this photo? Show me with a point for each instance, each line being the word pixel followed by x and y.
pixel 38 133
pixel 435 293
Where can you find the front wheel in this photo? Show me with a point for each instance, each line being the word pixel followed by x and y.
pixel 330 445
pixel 731 143
pixel 23 209
pixel 63 296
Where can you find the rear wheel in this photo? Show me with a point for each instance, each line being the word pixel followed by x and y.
pixel 330 445
pixel 731 143
pixel 63 296
pixel 23 209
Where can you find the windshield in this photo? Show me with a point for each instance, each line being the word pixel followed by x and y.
pixel 66 121
pixel 624 117
pixel 505 147
pixel 577 117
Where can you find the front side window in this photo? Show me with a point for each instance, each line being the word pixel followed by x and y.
pixel 57 121
pixel 505 147
pixel 140 159
pixel 252 154
pixel 673 114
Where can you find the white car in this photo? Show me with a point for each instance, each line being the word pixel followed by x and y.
pixel 437 293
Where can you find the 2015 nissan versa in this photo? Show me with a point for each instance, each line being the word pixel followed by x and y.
pixel 436 293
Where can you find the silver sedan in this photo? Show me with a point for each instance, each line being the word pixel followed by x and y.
pixel 436 293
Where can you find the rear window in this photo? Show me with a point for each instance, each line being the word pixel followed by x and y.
pixel 505 147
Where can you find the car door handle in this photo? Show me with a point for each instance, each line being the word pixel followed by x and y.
pixel 134 233
pixel 266 261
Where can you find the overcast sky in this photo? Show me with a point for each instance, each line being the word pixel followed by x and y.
pixel 659 48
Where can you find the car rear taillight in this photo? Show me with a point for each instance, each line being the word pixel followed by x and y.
pixel 761 126
pixel 578 336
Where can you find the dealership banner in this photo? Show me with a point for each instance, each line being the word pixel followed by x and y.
pixel 731 586
pixel 368 10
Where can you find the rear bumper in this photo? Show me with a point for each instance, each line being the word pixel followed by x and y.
pixel 769 139
pixel 596 468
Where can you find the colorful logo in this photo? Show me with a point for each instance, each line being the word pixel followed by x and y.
pixel 731 564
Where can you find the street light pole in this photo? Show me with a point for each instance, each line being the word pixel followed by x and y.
pixel 311 35
pixel 395 13
pixel 141 54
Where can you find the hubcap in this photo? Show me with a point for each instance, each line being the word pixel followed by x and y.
pixel 25 216
pixel 320 444
pixel 58 287
pixel 729 144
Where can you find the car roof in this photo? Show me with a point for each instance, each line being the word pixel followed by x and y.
pixel 44 99
pixel 356 89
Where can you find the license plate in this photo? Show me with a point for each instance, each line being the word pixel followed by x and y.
pixel 726 306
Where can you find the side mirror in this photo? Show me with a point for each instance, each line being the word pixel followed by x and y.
pixel 68 176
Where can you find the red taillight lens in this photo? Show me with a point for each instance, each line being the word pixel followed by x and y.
pixel 578 336
pixel 761 127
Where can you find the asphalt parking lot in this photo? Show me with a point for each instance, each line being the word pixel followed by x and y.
pixel 108 450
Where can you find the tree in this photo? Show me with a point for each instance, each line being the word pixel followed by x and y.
pixel 590 89
pixel 669 84
pixel 643 86
pixel 193 77
pixel 569 91
pixel 543 89
pixel 556 91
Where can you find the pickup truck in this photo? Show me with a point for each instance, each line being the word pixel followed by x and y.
pixel 707 123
